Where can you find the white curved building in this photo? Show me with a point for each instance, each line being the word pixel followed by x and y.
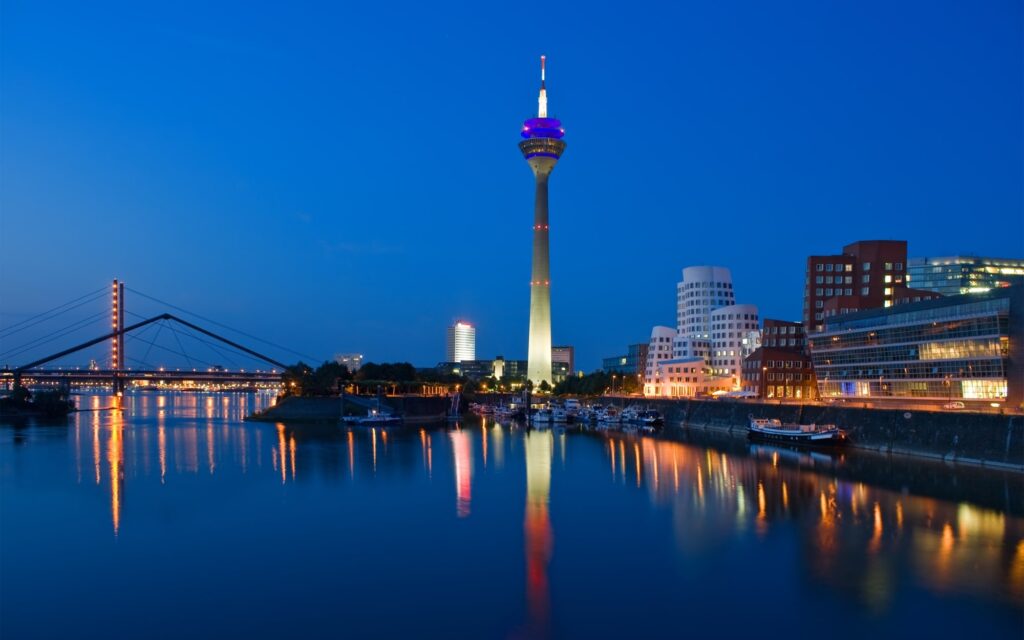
pixel 658 349
pixel 702 290
pixel 728 327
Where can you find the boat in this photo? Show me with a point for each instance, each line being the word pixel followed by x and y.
pixel 542 416
pixel 374 417
pixel 651 418
pixel 772 430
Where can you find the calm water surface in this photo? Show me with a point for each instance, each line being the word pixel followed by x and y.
pixel 177 519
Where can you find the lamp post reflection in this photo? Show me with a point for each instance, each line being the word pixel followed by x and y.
pixel 538 448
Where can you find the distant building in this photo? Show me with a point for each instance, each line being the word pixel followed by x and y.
pixel 509 369
pixel 633 362
pixel 461 342
pixel 566 356
pixel 955 275
pixel 352 361
pixel 966 348
pixel 867 275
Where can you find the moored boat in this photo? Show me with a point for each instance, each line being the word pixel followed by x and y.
pixel 772 430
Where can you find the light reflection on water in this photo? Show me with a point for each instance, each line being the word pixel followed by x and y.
pixel 861 549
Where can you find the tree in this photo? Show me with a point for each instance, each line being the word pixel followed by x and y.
pixel 544 386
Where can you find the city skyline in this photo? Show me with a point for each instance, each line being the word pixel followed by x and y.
pixel 208 170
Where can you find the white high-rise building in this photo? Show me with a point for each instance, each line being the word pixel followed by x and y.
pixel 709 325
pixel 729 325
pixel 461 343
pixel 702 290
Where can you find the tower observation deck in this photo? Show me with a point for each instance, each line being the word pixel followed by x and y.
pixel 542 146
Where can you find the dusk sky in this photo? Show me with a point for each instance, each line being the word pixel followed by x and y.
pixel 345 178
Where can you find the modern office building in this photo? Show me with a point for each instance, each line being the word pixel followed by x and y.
pixel 966 348
pixel 461 342
pixel 542 146
pixel 954 275
pixel 867 275
pixel 352 361
pixel 702 290
pixel 633 362
pixel 565 355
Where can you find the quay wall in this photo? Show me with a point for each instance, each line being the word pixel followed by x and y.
pixel 295 409
pixel 966 438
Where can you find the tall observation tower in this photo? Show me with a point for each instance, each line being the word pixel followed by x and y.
pixel 542 146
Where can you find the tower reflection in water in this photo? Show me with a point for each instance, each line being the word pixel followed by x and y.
pixel 861 540
pixel 538 447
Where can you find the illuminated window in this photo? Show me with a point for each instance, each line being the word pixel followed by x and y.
pixel 888 266
pixel 888 279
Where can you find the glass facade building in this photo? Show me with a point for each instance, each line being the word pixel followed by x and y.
pixel 962 348
pixel 955 275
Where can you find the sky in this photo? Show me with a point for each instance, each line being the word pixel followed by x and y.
pixel 344 177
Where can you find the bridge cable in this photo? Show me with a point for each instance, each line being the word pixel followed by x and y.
pixel 60 333
pixel 160 328
pixel 132 336
pixel 179 353
pixel 189 334
pixel 313 359
pixel 38 318
pixel 182 347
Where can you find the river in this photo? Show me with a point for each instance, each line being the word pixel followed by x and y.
pixel 175 518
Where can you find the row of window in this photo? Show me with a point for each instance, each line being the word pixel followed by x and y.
pixel 934 331
pixel 754 365
pixel 951 369
pixel 830 267
pixel 837 279
pixel 707 285
pixel 790 377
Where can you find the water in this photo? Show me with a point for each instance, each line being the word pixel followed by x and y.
pixel 176 519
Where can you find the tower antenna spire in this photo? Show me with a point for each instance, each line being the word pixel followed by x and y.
pixel 542 100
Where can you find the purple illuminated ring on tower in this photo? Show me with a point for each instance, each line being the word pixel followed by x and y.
pixel 542 128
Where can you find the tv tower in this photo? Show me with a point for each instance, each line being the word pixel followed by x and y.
pixel 542 146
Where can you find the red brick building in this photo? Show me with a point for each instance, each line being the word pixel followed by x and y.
pixel 781 368
pixel 866 275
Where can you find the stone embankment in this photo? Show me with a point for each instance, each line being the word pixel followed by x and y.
pixel 983 439
pixel 412 408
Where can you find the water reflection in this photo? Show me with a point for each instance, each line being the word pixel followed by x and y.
pixel 856 538
pixel 462 453
pixel 170 457
pixel 538 448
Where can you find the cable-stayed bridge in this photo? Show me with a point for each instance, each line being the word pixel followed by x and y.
pixel 142 351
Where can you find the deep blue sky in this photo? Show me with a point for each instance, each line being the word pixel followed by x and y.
pixel 347 178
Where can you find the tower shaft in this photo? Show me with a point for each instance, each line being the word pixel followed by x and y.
pixel 538 366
